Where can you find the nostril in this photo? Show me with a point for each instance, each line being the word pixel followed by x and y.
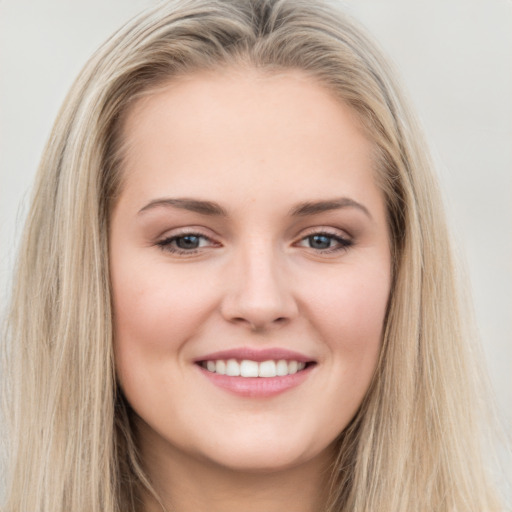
pixel 259 325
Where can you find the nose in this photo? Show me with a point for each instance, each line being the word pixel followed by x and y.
pixel 258 291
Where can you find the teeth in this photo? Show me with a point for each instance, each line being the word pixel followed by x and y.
pixel 220 367
pixel 267 369
pixel 248 368
pixel 232 368
pixel 281 368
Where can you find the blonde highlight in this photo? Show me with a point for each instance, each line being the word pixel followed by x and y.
pixel 415 442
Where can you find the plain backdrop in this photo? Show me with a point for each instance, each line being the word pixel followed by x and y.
pixel 454 58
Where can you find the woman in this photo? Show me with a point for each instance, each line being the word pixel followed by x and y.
pixel 235 288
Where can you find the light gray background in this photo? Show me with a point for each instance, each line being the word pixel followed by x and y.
pixel 454 57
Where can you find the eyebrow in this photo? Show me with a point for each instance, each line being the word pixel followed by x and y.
pixel 193 205
pixel 214 209
pixel 315 207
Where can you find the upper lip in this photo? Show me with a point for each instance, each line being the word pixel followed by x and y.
pixel 258 355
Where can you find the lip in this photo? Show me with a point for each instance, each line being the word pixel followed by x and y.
pixel 258 355
pixel 257 387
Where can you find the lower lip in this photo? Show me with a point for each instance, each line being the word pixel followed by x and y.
pixel 257 387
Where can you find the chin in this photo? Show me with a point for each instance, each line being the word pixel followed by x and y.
pixel 259 463
pixel 265 454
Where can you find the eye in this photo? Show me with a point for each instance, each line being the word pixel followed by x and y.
pixel 186 243
pixel 325 242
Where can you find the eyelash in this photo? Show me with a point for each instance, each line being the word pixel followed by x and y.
pixel 342 243
pixel 167 243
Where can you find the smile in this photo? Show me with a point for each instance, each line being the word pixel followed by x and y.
pixel 249 368
pixel 247 372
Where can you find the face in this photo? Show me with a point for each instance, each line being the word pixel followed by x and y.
pixel 249 237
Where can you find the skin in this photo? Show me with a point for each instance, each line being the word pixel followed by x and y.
pixel 258 145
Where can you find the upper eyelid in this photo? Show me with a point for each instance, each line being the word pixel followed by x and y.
pixel 327 230
pixel 186 230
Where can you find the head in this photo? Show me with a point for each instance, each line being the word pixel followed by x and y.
pixel 82 179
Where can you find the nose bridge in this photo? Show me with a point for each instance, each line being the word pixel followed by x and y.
pixel 259 295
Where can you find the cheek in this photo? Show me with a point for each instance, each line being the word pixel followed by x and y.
pixel 142 318
pixel 158 309
pixel 138 307
pixel 148 308
pixel 351 305
pixel 147 338
pixel 349 317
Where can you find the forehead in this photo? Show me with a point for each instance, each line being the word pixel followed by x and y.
pixel 244 130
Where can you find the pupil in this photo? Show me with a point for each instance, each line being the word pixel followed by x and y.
pixel 188 242
pixel 320 241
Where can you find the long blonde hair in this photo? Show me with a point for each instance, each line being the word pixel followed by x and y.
pixel 415 443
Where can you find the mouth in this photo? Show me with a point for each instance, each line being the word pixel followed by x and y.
pixel 248 368
pixel 256 373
